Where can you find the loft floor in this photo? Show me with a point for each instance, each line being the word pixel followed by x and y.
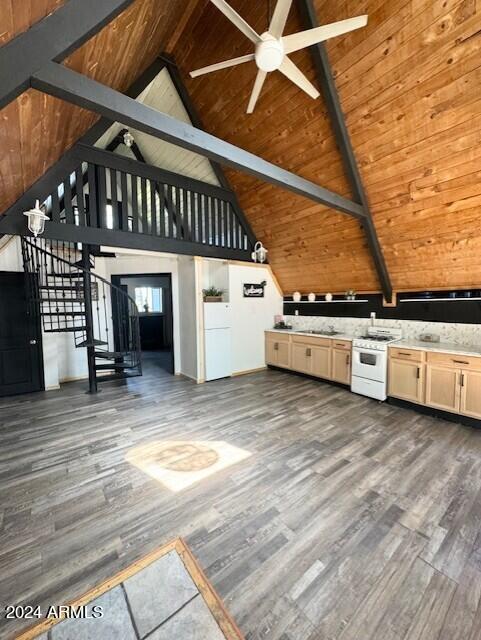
pixel 349 519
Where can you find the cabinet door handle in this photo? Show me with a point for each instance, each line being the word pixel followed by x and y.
pixel 460 362
pixel 348 360
pixel 462 380
pixel 418 373
pixel 402 353
pixel 308 352
pixel 276 346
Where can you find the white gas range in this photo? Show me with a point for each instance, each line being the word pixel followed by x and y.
pixel 369 361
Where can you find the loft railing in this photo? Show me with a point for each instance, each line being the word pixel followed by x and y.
pixel 110 192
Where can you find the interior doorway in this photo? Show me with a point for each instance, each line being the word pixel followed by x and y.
pixel 21 357
pixel 152 293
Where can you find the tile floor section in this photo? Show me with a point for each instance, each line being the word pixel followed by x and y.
pixel 160 602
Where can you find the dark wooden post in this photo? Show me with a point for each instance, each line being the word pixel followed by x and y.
pixel 89 321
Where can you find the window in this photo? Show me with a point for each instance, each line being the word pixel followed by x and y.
pixel 149 299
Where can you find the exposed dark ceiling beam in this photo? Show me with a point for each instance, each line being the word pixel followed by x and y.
pixel 52 38
pixel 74 87
pixel 195 119
pixel 69 160
pixel 331 98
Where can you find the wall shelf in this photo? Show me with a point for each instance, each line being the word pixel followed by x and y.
pixel 474 299
pixel 326 301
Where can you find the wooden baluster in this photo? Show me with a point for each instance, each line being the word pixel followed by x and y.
pixel 79 191
pixel 124 204
pixel 135 203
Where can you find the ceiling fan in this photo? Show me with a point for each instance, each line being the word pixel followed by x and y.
pixel 271 47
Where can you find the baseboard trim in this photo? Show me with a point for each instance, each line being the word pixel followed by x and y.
pixel 334 383
pixel 436 413
pixel 245 372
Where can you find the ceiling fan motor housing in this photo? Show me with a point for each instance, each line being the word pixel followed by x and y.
pixel 269 53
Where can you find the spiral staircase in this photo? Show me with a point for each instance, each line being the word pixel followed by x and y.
pixel 70 297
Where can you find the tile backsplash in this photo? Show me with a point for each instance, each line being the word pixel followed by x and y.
pixel 455 332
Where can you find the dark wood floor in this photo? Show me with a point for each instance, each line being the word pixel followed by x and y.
pixel 352 520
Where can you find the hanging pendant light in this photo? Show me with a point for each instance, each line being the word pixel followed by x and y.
pixel 260 253
pixel 36 219
pixel 128 139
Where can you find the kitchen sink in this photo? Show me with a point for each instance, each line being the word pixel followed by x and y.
pixel 320 333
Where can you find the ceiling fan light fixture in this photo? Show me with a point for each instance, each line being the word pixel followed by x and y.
pixel 272 48
pixel 269 53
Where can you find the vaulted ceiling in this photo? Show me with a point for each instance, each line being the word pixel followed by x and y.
pixel 409 87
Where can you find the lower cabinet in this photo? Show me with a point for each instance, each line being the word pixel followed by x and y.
pixel 406 380
pixel 301 358
pixel 321 362
pixel 316 356
pixel 442 388
pixel 470 400
pixel 439 380
pixel 341 365
pixel 278 350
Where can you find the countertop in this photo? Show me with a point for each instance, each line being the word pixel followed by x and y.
pixel 437 347
pixel 292 332
pixel 440 347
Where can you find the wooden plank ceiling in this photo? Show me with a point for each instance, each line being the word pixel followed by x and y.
pixel 408 83
pixel 35 129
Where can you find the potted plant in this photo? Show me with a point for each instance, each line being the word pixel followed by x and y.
pixel 212 294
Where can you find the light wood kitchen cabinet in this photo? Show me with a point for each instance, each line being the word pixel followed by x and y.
pixel 316 356
pixel 321 362
pixel 341 365
pixel 443 387
pixel 301 358
pixel 406 380
pixel 278 350
pixel 470 400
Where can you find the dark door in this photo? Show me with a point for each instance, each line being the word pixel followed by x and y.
pixel 21 363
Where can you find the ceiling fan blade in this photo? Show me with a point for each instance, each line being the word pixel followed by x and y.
pixel 222 65
pixel 307 38
pixel 258 84
pixel 279 18
pixel 289 69
pixel 237 20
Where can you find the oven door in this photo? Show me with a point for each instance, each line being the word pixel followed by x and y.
pixel 369 364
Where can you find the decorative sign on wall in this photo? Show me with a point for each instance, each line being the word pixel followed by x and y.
pixel 254 290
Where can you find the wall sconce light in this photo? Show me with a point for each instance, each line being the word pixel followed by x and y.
pixel 128 139
pixel 36 219
pixel 260 253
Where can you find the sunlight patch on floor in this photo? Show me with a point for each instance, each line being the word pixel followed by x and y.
pixel 179 464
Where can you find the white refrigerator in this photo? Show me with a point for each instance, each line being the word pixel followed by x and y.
pixel 217 340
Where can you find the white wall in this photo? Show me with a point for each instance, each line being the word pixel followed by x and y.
pixel 251 316
pixel 147 262
pixel 188 317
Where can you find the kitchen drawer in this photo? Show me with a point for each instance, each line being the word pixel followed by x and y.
pixel 312 339
pixel 454 361
pixel 413 355
pixel 342 344
pixel 278 337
